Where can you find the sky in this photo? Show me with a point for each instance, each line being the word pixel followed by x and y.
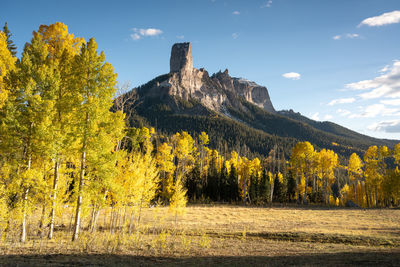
pixel 329 60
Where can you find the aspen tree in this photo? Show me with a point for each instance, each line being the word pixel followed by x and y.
pixel 178 199
pixel 203 142
pixel 375 169
pixel 354 170
pixel 7 64
pixel 62 46
pixel 184 151
pixel 164 159
pixel 328 161
pixel 98 130
pixel 302 160
pixel 34 110
pixel 396 153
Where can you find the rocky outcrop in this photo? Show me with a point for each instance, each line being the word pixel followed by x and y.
pixel 215 92
pixel 181 58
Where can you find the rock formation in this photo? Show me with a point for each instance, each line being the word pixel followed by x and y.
pixel 215 92
pixel 181 58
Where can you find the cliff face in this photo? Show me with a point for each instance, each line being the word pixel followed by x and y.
pixel 215 92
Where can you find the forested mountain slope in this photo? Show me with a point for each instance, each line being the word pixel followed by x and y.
pixel 236 113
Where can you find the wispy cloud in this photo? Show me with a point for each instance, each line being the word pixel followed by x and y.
pixel 386 85
pixel 384 19
pixel 343 112
pixel 140 33
pixel 328 117
pixel 135 36
pixel 315 116
pixel 352 35
pixel 292 75
pixel 342 101
pixel 375 110
pixel 235 35
pixel 391 102
pixel 392 126
pixel 347 36
pixel 180 37
pixel 385 69
pixel 235 13
pixel 268 4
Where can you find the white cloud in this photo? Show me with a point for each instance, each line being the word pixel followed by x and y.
pixel 315 116
pixel 267 4
pixel 384 69
pixel 150 32
pixel 235 35
pixel 386 85
pixel 236 13
pixel 361 85
pixel 328 117
pixel 135 36
pixel 376 93
pixel 140 33
pixel 391 102
pixel 342 101
pixel 384 19
pixel 376 110
pixel 343 112
pixel 291 75
pixel 392 126
pixel 352 35
pixel 347 36
pixel 180 37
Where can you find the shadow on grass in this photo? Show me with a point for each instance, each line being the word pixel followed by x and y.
pixel 295 206
pixel 330 259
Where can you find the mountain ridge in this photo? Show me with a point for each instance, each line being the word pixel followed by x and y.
pixel 190 99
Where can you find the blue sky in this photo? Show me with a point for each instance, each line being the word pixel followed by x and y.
pixel 329 60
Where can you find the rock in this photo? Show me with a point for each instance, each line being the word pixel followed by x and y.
pixel 181 58
pixel 215 92
pixel 351 204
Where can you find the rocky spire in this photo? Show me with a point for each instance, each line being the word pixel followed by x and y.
pixel 181 58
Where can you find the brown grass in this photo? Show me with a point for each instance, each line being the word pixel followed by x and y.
pixel 225 235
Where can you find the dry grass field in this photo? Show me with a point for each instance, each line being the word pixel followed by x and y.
pixel 225 235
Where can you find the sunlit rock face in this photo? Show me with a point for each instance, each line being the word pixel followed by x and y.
pixel 215 92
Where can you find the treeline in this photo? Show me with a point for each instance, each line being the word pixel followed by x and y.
pixel 62 146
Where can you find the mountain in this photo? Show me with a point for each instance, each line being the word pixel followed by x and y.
pixel 235 112
pixel 215 93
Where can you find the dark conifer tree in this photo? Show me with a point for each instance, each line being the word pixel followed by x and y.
pixel 10 44
pixel 233 184
pixel 264 187
pixel 224 184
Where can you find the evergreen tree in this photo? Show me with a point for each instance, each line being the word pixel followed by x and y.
pixel 253 189
pixel 224 184
pixel 264 187
pixel 233 184
pixel 194 184
pixel 291 186
pixel 280 188
pixel 10 44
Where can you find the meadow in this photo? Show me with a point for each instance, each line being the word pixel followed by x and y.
pixel 217 235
